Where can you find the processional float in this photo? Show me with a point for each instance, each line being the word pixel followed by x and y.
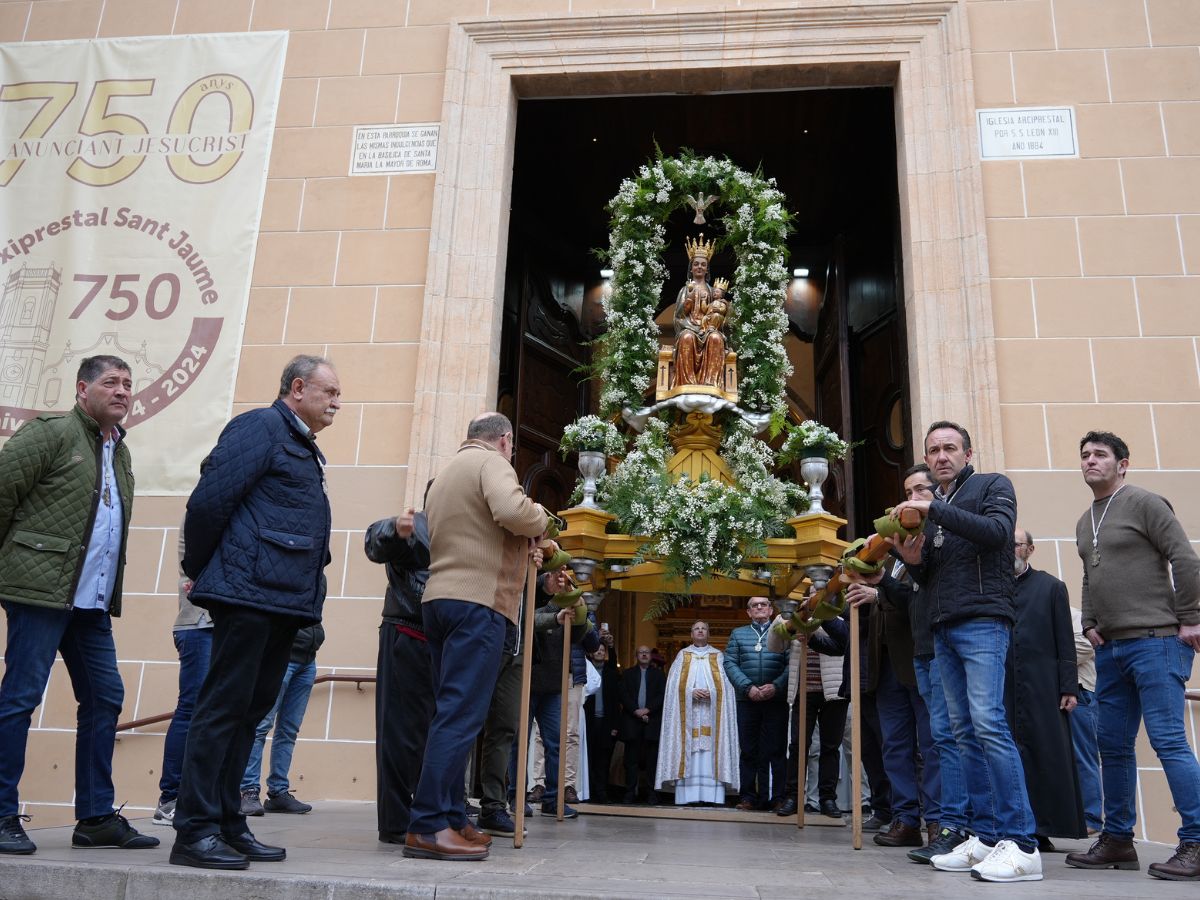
pixel 698 409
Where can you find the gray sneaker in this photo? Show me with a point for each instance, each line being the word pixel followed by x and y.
pixel 251 805
pixel 164 813
pixel 284 802
pixel 13 838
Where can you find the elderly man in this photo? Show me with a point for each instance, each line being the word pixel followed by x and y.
pixel 1040 693
pixel 257 542
pixel 698 749
pixel 480 526
pixel 1141 611
pixel 643 692
pixel 759 677
pixel 66 494
pixel 963 564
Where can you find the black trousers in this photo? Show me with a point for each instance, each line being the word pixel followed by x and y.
pixel 250 653
pixel 600 743
pixel 641 755
pixel 762 732
pixel 499 730
pixel 831 715
pixel 404 706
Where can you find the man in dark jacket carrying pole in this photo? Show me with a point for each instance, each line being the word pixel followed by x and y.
pixel 963 563
pixel 66 494
pixel 257 543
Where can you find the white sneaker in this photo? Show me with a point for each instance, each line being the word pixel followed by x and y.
pixel 164 813
pixel 1008 862
pixel 962 857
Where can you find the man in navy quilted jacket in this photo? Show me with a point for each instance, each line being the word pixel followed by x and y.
pixel 257 543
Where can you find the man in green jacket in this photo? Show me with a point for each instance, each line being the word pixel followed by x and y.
pixel 66 495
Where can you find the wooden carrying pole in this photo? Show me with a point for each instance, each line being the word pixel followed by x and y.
pixel 564 705
pixel 802 732
pixel 523 718
pixel 855 733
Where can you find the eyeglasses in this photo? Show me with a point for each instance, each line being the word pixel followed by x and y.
pixel 1022 544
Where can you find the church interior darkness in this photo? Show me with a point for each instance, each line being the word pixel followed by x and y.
pixel 833 155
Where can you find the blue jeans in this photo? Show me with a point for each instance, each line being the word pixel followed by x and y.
pixel 971 657
pixel 1087 757
pixel 286 716
pixel 465 640
pixel 84 638
pixel 904 723
pixel 1136 679
pixel 546 709
pixel 195 647
pixel 952 793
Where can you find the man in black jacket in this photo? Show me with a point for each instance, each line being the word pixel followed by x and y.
pixel 404 702
pixel 602 712
pixel 963 563
pixel 643 690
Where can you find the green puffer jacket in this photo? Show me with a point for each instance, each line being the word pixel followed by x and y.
pixel 51 476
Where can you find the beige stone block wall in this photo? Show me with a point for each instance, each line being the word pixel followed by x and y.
pixel 1093 266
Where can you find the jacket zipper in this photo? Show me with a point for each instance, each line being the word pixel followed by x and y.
pixel 91 522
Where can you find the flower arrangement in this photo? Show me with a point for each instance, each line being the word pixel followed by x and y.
pixel 704 527
pixel 809 439
pixel 591 433
pixel 756 225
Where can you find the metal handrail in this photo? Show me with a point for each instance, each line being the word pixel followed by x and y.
pixel 359 681
pixel 1193 695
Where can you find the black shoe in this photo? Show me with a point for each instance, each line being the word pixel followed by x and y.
pixel 947 839
pixel 875 823
pixel 831 809
pixel 551 809
pixel 284 802
pixel 786 808
pixel 1045 845
pixel 113 831
pixel 13 838
pixel 210 852
pixel 471 809
pixel 811 809
pixel 630 798
pixel 391 837
pixel 253 849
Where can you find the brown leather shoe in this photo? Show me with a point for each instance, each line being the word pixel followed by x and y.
pixel 746 805
pixel 1107 853
pixel 446 844
pixel 1183 866
pixel 899 835
pixel 931 832
pixel 475 836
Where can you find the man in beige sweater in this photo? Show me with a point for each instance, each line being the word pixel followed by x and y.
pixel 480 526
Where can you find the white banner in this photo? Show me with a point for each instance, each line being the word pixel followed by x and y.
pixel 132 173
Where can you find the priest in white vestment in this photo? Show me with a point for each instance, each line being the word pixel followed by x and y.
pixel 698 747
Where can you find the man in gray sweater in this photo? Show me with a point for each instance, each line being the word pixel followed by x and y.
pixel 1141 611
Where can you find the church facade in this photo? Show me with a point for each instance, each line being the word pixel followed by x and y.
pixel 1048 281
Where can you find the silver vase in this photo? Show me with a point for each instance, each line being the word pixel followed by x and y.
pixel 591 466
pixel 814 470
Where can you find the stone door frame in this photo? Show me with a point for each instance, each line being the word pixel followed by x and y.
pixel 919 47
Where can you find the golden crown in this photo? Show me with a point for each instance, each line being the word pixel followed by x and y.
pixel 699 247
pixel 721 284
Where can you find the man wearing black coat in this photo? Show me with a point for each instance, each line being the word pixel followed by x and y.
pixel 602 712
pixel 257 543
pixel 643 689
pixel 404 703
pixel 1040 691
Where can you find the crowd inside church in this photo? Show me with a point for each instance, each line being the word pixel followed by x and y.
pixel 995 717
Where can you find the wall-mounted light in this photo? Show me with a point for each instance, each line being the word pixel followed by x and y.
pixel 799 273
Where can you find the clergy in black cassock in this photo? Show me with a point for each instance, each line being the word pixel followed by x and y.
pixel 1040 689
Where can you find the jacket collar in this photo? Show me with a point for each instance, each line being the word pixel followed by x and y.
pixel 92 427
pixel 293 423
pixel 967 471
pixel 476 444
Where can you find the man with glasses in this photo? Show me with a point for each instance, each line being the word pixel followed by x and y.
pixel 1040 693
pixel 759 678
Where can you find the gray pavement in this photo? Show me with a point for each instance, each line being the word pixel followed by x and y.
pixel 333 855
